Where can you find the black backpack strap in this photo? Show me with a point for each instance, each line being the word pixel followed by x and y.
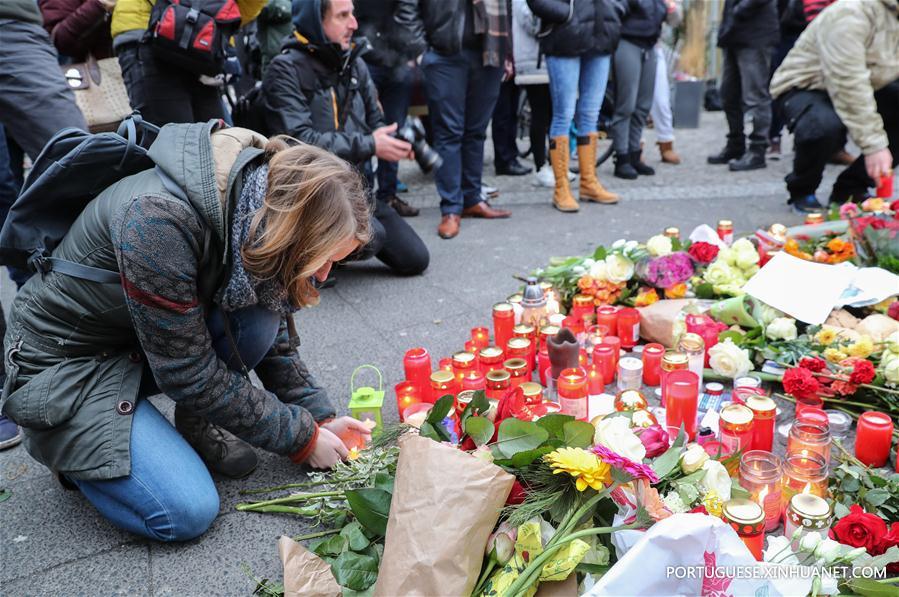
pixel 43 264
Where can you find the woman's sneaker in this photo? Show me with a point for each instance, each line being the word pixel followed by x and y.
pixel 10 434
pixel 806 205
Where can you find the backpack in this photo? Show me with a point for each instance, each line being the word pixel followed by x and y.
pixel 193 34
pixel 72 169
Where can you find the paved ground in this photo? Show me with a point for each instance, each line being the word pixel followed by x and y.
pixel 53 543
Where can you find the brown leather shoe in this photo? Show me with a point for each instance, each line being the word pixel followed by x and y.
pixel 666 150
pixel 483 210
pixel 449 226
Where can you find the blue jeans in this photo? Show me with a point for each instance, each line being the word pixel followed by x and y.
pixel 169 494
pixel 461 95
pixel 577 85
pixel 395 92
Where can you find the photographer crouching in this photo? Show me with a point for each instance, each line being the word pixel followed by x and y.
pixel 319 91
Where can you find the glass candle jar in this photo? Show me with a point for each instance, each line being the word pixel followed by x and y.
pixel 628 327
pixel 808 512
pixel 643 418
pixel 604 359
pixel 595 382
pixel 543 365
pixel 463 364
pixel 808 402
pixel 518 369
pixel 839 423
pixel 764 411
pixel 607 315
pixel 533 393
pixel 529 332
pixel 672 361
pixel 615 343
pixel 443 383
pixel 503 322
pixel 809 438
pixel 747 518
pixel 874 437
pixel 474 380
pixel 547 331
pixel 630 374
pixel 473 348
pixel 693 346
pixel 652 364
pixel 498 383
pixel 735 427
pixel 407 394
pixel 572 390
pixel 594 336
pixel 519 348
pixel 760 475
pixel 726 232
pixel 682 399
pixel 630 400
pixel 463 400
pixel 481 337
pixel 580 305
pixel 671 232
pixel 803 473
pixel 490 359
pixel 417 366
pixel 445 365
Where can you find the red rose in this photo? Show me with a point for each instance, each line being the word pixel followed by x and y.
pixel 703 252
pixel 517 495
pixel 894 206
pixel 893 311
pixel 889 540
pixel 861 529
pixel 813 364
pixel 800 382
pixel 862 372
pixel 700 509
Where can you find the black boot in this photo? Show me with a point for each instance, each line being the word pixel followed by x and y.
pixel 754 159
pixel 637 162
pixel 223 452
pixel 623 166
pixel 732 151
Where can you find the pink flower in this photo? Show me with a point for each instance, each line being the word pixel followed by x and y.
pixel 848 210
pixel 628 466
pixel 655 440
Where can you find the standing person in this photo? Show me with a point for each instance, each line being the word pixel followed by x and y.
pixel 635 76
pixel 578 45
pixel 504 126
pixel 161 90
pixel 792 24
pixel 842 76
pixel 463 67
pixel 395 44
pixel 748 33
pixel 662 119
pixel 79 28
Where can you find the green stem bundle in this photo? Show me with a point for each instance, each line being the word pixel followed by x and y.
pixel 291 499
pixel 304 485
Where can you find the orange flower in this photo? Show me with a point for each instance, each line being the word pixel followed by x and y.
pixel 649 497
pixel 646 297
pixel 836 245
pixel 677 291
pixel 585 282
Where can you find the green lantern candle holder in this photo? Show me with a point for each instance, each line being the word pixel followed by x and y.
pixel 366 401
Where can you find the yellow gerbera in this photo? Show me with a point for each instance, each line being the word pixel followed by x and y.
pixel 586 467
pixel 833 355
pixel 861 349
pixel 712 502
pixel 826 336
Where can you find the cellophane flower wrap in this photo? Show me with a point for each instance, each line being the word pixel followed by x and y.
pixel 876 238
pixel 666 271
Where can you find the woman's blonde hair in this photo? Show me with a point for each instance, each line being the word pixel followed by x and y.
pixel 314 202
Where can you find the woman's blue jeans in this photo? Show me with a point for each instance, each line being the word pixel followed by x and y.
pixel 577 85
pixel 169 495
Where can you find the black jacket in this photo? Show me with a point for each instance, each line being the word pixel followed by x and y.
pixel 320 94
pixel 642 21
pixel 393 30
pixel 575 27
pixel 749 24
pixel 792 17
pixel 442 22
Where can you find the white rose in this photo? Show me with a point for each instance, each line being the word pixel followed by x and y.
pixel 578 270
pixel 693 458
pixel 765 314
pixel 598 270
pixel 618 244
pixel 891 343
pixel 747 259
pixel 615 433
pixel 782 328
pixel 777 545
pixel 619 268
pixel 719 272
pixel 659 245
pixel 630 246
pixel 891 371
pixel 829 550
pixel 727 255
pixel 729 360
pixel 588 262
pixel 716 477
pixel 810 541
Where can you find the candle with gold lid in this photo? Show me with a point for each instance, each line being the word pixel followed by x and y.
pixel 546 331
pixel 672 361
pixel 643 418
pixel 748 519
pixel 630 400
pixel 474 380
pixel 672 232
pixel 533 392
pixel 524 330
pixel 518 348
pixel 463 363
pixel 803 473
pixel 581 304
pixel 814 218
pixel 808 512
pixel 735 427
pixel 442 383
pixel 778 232
pixel 498 383
pixel 518 369
pixel 490 359
pixel 760 475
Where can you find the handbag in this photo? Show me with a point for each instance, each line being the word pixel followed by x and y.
pixel 99 92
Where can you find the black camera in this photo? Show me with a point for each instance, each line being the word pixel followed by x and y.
pixel 413 133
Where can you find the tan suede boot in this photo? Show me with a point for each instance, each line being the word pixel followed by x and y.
pixel 558 159
pixel 666 150
pixel 590 187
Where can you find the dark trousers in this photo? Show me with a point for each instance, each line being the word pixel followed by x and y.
pixel 394 243
pixel 744 90
pixel 780 53
pixel 541 114
pixel 818 133
pixel 504 128
pixel 461 96
pixel 162 92
pixel 394 92
pixel 635 81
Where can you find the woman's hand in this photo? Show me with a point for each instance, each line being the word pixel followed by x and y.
pixel 328 450
pixel 347 428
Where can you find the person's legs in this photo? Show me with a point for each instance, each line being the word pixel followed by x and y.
pixel 445 81
pixel 541 114
pixel 731 101
pixel 253 329
pixel 394 92
pixel 504 129
pixel 564 73
pixel 9 190
pixel 817 133
pixel 661 101
pixel 645 91
pixel 206 102
pixel 627 63
pixel 164 91
pixel 402 250
pixel 755 64
pixel 482 89
pixel 594 75
pixel 169 495
pixel 777 121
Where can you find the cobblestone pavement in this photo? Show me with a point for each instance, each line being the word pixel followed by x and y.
pixel 52 542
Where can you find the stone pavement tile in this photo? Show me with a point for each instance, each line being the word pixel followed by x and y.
pixel 17 466
pixel 273 470
pixel 43 525
pixel 333 316
pixel 212 564
pixel 119 571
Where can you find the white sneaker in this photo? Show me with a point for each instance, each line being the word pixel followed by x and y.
pixel 544 177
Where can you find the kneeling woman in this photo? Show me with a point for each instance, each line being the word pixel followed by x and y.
pixel 216 247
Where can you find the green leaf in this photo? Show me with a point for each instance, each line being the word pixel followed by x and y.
pixel 354 535
pixel 595 569
pixel 437 432
pixel 688 493
pixel 369 592
pixel 355 571
pixel 384 481
pixel 867 587
pixel 440 410
pixel 518 436
pixel 849 484
pixel 479 429
pixel 371 507
pixel 737 491
pixel 876 497
pixel 330 546
pixel 578 434
pixel 704 291
pixel 600 253
pixel 676 244
pixel 554 424
pixel 839 510
pixel 734 335
pixel 664 464
pixel 523 459
pixel 478 406
pixel 5 494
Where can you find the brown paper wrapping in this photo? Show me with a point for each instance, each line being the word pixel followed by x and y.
pixel 657 321
pixel 445 505
pixel 305 574
pixel 563 588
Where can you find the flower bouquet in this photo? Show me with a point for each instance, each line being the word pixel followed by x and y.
pixel 875 231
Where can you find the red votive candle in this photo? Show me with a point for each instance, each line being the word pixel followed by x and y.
pixel 542 365
pixel 615 343
pixel 474 380
pixel 815 416
pixel 503 322
pixel 417 366
pixel 407 394
pixel 490 359
pixel 652 364
pixel 582 359
pixel 595 385
pixel 581 304
pixel 873 438
pixel 572 387
pixel 885 187
pixel 575 324
pixel 682 392
pixel 524 330
pixel 804 402
pixel 605 359
pixel 629 327
pixel 518 370
pixel 546 332
pixel 498 384
pixel 763 414
pixel 607 316
pixel 443 383
pixel 463 364
pixel 445 365
pixel 472 347
pixel 519 348
pixel 481 337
